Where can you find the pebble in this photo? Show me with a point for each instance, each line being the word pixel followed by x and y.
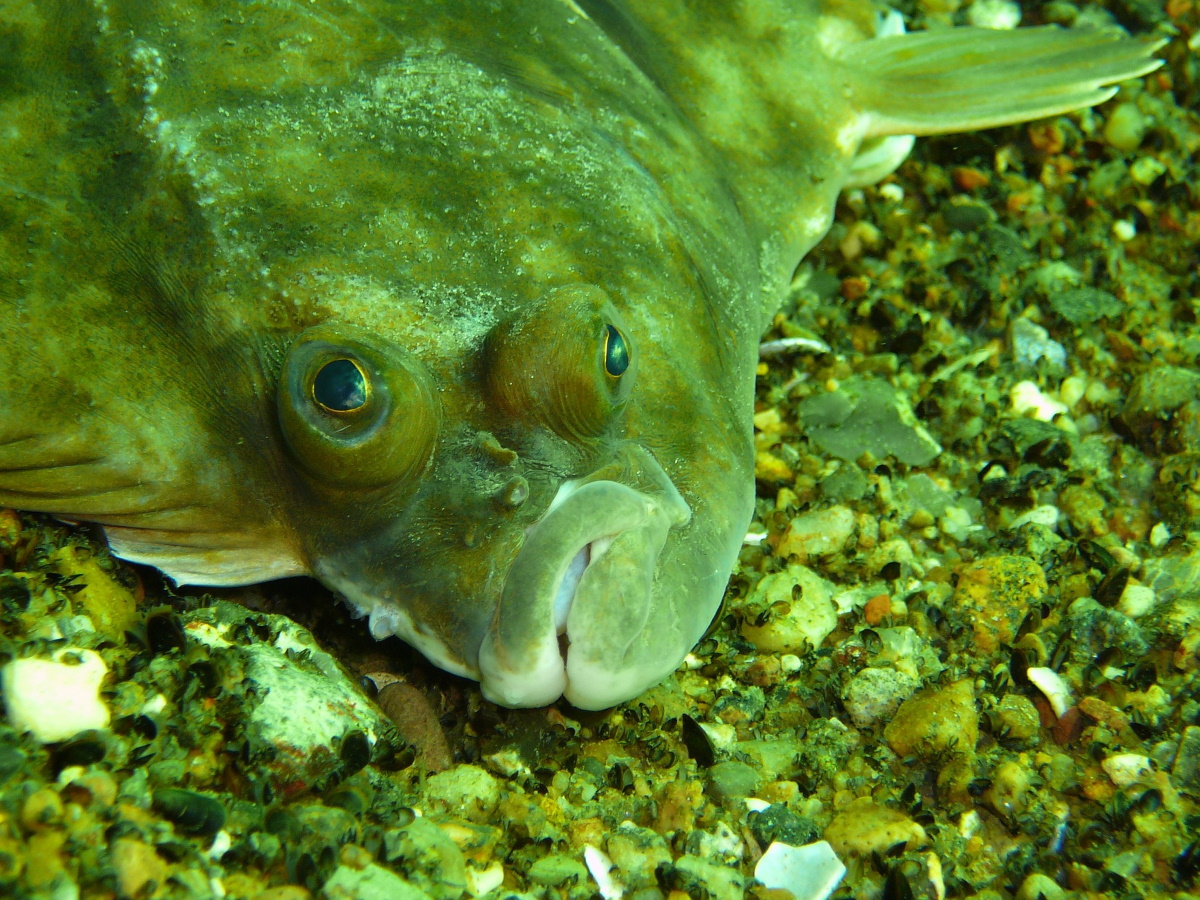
pixel 1040 887
pixel 139 869
pixel 55 699
pixel 863 827
pixel 698 876
pixel 1003 15
pixel 874 694
pixel 817 533
pixel 1126 769
pixel 936 721
pixel 1125 128
pixel 465 790
pixel 557 869
pixel 637 852
pixel 798 608
pixel 994 594
pixel 731 780
pixel 1032 343
pixel 371 882
pixel 1016 718
pixel 1027 397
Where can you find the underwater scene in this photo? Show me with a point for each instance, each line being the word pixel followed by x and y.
pixel 571 449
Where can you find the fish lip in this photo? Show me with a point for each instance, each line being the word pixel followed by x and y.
pixel 522 661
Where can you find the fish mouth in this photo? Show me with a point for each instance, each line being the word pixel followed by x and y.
pixel 580 593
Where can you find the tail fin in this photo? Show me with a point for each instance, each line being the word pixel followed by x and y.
pixel 962 79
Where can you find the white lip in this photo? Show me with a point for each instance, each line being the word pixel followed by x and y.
pixel 521 658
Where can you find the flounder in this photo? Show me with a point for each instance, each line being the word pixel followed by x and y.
pixel 453 306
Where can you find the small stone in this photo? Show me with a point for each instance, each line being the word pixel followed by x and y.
pixel 1031 344
pixel 1015 718
pixel 41 809
pixel 1027 397
pixel 817 533
pixel 1008 795
pixel 1056 691
pixel 863 827
pixel 1185 771
pixel 867 415
pixel 1040 887
pixel 936 721
pixel 699 877
pixel 1126 769
pixel 637 853
pixel 1125 127
pixel 55 699
pixel 465 790
pixel 731 780
pixel 994 594
pixel 139 869
pixel 1136 600
pixel 371 883
pixel 284 892
pixel 1002 15
pixel 874 694
pixel 556 869
pixel 795 608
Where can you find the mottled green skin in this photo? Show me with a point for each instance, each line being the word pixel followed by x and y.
pixel 187 188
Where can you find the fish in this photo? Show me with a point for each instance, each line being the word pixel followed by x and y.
pixel 452 307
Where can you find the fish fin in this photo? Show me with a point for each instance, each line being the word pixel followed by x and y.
pixel 963 79
pixel 148 517
pixel 213 559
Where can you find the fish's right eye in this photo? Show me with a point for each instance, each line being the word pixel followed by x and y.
pixel 356 411
pixel 568 363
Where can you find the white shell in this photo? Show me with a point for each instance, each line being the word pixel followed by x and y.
pixel 55 700
pixel 601 868
pixel 1051 684
pixel 811 872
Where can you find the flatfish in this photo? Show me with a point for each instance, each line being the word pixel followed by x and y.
pixel 451 306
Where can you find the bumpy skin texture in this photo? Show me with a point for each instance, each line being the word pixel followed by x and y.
pixel 201 203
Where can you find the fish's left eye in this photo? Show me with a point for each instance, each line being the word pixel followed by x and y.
pixel 616 352
pixel 341 386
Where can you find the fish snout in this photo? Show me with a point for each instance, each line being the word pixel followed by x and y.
pixel 579 600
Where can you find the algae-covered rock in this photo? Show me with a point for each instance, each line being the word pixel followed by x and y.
pixel 936 721
pixel 696 877
pixel 731 780
pixel 994 594
pixel 790 612
pixel 874 694
pixel 371 882
pixel 1015 718
pixel 866 415
pixel 306 721
pixel 864 827
pixel 558 870
pixel 465 790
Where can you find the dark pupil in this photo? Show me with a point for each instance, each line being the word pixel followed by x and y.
pixel 340 386
pixel 616 353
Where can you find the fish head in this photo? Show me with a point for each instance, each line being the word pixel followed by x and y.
pixel 554 513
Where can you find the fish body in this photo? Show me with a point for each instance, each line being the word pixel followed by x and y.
pixel 454 307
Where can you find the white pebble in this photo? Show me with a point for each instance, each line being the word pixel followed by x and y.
pixel 1159 535
pixel 1028 397
pixel 1051 684
pixel 1042 515
pixel 1001 15
pixel 1126 768
pixel 484 881
pixel 891 191
pixel 811 872
pixel 1137 600
pixel 1071 391
pixel 56 699
pixel 1124 230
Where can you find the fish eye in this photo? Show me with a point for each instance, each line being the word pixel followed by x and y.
pixel 341 386
pixel 616 352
